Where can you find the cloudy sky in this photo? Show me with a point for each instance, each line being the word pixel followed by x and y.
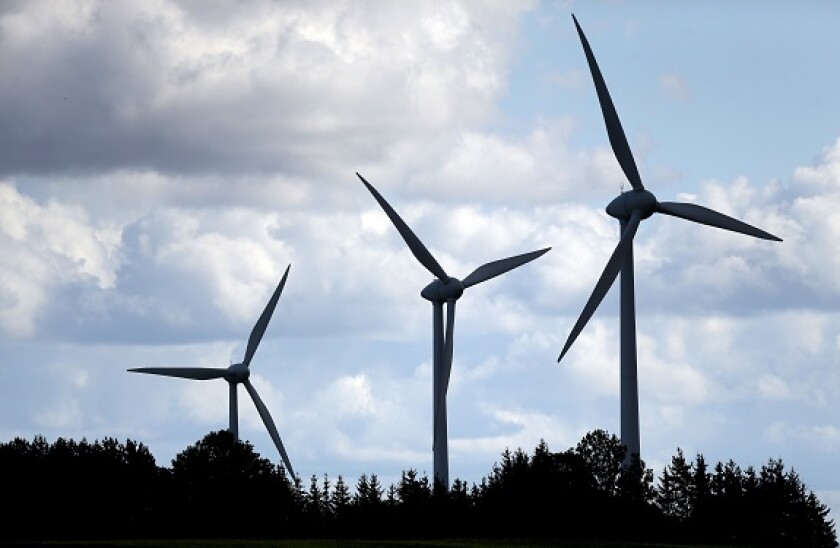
pixel 161 163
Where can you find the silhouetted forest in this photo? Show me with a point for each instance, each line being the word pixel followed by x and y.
pixel 221 488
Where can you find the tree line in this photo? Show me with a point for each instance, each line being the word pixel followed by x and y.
pixel 222 488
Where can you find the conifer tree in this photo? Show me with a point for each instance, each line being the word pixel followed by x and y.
pixel 413 491
pixel 674 493
pixel 701 482
pixel 822 529
pixel 340 499
pixel 374 492
pixel 315 500
pixel 702 505
pixel 362 494
pixel 391 496
pixel 459 491
pixel 325 495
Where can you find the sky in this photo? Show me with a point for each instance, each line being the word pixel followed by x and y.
pixel 162 163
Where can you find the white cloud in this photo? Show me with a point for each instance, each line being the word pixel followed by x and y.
pixel 593 359
pixel 274 400
pixel 206 401
pixel 242 272
pixel 44 246
pixel 63 415
pixel 574 79
pixel 351 396
pixel 539 167
pixel 825 175
pixel 825 437
pixel 818 437
pixel 529 427
pixel 675 86
pixel 364 417
pixel 773 387
pixel 671 379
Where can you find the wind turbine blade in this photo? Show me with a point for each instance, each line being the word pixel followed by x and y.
pixel 618 140
pixel 496 268
pixel 448 343
pixel 269 424
pixel 605 281
pixel 414 244
pixel 706 216
pixel 259 328
pixel 448 346
pixel 195 373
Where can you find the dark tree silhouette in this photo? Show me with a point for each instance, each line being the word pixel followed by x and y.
pixel 221 488
pixel 340 498
pixel 603 454
pixel 73 483
pixel 674 495
pixel 216 475
pixel 414 491
pixel 316 504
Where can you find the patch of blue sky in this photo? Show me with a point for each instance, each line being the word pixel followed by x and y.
pixel 703 91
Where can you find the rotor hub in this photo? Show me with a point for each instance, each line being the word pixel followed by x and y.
pixel 237 373
pixel 440 291
pixel 624 205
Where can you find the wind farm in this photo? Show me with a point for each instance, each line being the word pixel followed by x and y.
pixel 160 169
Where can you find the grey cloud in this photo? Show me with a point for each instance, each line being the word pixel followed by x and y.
pixel 276 88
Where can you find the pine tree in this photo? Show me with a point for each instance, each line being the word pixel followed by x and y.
pixel 821 528
pixel 543 472
pixel 392 497
pixel 362 494
pixel 374 491
pixel 326 508
pixel 340 499
pixel 674 495
pixel 413 491
pixel 314 500
pixel 702 507
pixel 459 491
pixel 701 482
pixel 298 495
pixel 792 517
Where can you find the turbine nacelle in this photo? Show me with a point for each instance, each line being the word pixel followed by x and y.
pixel 237 373
pixel 624 205
pixel 441 291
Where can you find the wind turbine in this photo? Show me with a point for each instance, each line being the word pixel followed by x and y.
pixel 444 289
pixel 630 208
pixel 235 374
